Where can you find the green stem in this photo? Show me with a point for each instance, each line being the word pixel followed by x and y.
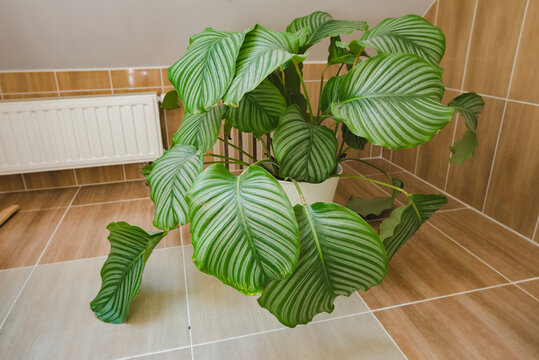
pixel 336 128
pixel 264 160
pixel 301 197
pixel 340 68
pixel 304 90
pixel 227 158
pixel 372 181
pixel 225 162
pixel 357 57
pixel 340 150
pixel 370 164
pixel 238 148
pixel 266 149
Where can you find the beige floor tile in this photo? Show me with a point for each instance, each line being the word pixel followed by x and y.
pixel 427 266
pixel 219 312
pixel 182 354
pixel 11 282
pixel 52 319
pixel 511 255
pixel 83 232
pixel 531 287
pixel 367 170
pixel 112 192
pixel 25 235
pixel 499 323
pixel 38 200
pixel 357 337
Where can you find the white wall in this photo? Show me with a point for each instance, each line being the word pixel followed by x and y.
pixel 74 34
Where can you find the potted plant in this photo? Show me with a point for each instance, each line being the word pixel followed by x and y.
pixel 245 230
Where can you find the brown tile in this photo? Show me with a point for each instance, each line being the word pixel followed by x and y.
pixel 427 266
pixel 156 90
pixel 39 199
pixel 85 93
pixel 386 154
pixel 173 120
pixel 314 71
pixel 524 85
pixel 11 182
pixel 30 96
pixel 405 158
pixel 356 188
pixel 83 80
pixel 431 13
pixel 313 89
pixel 513 192
pixel 468 181
pixel 133 78
pixel 93 175
pixel 83 232
pixel 164 77
pixel 531 287
pixel 499 323
pixel 497 26
pixel 27 82
pixel 24 236
pixel 366 170
pixel 186 234
pixel 49 179
pixel 112 192
pixel 455 20
pixel 511 255
pixel 132 171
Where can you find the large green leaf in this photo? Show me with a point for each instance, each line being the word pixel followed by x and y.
pixel 337 54
pixel 204 74
pixel 464 149
pixel 330 93
pixel 244 230
pixel 259 110
pixel 130 248
pixel 305 152
pixel 407 34
pixel 201 130
pixel 340 254
pixel 393 101
pixel 469 106
pixel 404 221
pixel 320 25
pixel 374 206
pixel 173 174
pixel 352 140
pixel 263 51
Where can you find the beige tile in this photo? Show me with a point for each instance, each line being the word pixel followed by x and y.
pixel 52 318
pixel 431 12
pixel 133 171
pixel 112 192
pixel 405 158
pixel 11 183
pixel 39 199
pixel 366 170
pixel 134 78
pixel 513 193
pixel 497 26
pixel 27 82
pixel 524 85
pixel 218 311
pixel 531 287
pixel 49 179
pixel 499 323
pixel 183 354
pixel 93 175
pixel 509 254
pixel 25 235
pixel 85 93
pixel 314 71
pixel 427 266
pixel 83 80
pixel 358 337
pixel 30 95
pixel 83 232
pixel 11 283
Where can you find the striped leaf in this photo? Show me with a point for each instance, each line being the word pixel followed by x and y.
pixel 330 93
pixel 408 34
pixel 352 140
pixel 201 130
pixel 340 254
pixel 393 101
pixel 259 110
pixel 130 248
pixel 263 51
pixel 320 25
pixel 374 206
pixel 305 152
pixel 243 228
pixel 173 174
pixel 464 149
pixel 204 74
pixel 338 54
pixel 469 106
pixel 404 221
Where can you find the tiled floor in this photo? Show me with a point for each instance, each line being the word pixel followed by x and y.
pixel 462 288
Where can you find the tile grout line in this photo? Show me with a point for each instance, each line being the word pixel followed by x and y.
pixel 498 97
pixel 38 260
pixel 505 106
pixel 535 230
pixel 110 82
pixel 187 296
pixel 56 82
pixel 71 186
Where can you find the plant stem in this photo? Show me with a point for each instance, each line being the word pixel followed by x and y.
pixel 340 150
pixel 264 160
pixel 226 162
pixel 304 90
pixel 266 149
pixel 336 128
pixel 340 68
pixel 301 197
pixel 370 164
pixel 321 88
pixel 238 148
pixel 372 181
pixel 357 57
pixel 227 158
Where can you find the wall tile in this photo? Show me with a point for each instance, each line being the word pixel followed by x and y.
pixel 11 182
pixel 49 179
pixel 83 80
pixel 164 78
pixel 525 87
pixel 173 120
pixel 513 192
pixel 468 181
pixel 157 90
pixel 85 93
pixel 494 41
pixel 30 95
pixel 99 174
pixel 27 82
pixel 430 15
pixel 314 71
pixel 405 158
pixel 132 78
pixel 132 171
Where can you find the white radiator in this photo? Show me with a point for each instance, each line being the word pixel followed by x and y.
pixel 53 134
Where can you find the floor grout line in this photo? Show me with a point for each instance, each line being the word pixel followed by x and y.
pixel 38 260
pixel 187 296
pixel 71 186
pixel 111 202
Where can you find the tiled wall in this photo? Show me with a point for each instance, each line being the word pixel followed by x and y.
pixel 492 49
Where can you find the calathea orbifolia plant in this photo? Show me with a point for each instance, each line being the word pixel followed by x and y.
pixel 244 229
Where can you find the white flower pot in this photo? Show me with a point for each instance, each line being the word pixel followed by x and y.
pixel 324 191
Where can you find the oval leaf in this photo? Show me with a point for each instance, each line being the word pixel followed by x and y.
pixel 393 101
pixel 354 141
pixel 170 101
pixel 200 130
pixel 408 34
pixel 305 152
pixel 172 176
pixel 203 75
pixel 469 106
pixel 259 110
pixel 330 93
pixel 340 254
pixel 244 230
pixel 464 149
